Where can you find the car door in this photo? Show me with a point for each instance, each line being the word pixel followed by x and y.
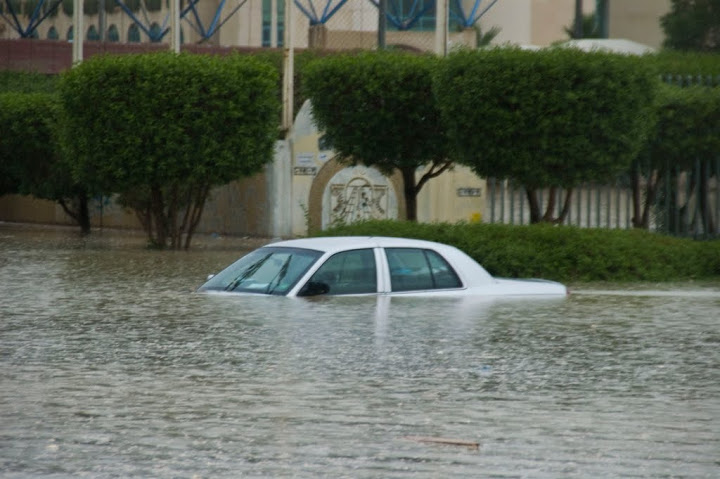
pixel 413 270
pixel 350 272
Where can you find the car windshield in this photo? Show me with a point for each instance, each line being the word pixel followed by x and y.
pixel 270 270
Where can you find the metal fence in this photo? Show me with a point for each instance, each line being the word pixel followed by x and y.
pixel 683 202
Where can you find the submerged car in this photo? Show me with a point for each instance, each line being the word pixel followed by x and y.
pixel 364 265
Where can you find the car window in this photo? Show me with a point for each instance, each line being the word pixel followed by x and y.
pixel 348 272
pixel 269 270
pixel 413 269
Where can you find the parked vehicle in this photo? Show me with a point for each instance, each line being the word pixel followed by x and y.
pixel 355 265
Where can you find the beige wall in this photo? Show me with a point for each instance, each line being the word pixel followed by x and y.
pixel 532 22
pixel 638 20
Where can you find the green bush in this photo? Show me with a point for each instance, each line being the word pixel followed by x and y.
pixel 552 118
pixel 564 253
pixel 163 129
pixel 684 64
pixel 378 109
pixel 25 82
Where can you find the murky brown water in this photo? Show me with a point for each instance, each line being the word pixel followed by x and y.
pixel 111 367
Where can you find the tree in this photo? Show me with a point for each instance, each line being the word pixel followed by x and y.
pixel 31 161
pixel 685 136
pixel 162 129
pixel 692 25
pixel 545 119
pixel 377 108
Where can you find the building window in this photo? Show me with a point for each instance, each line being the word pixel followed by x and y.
pixel 70 34
pixel 267 22
pixel 155 33
pixel 53 34
pixel 113 35
pixel 92 34
pixel 412 14
pixel 133 34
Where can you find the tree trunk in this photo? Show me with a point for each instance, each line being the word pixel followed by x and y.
pixel 410 192
pixel 703 199
pixel 637 217
pixel 534 204
pixel 83 214
pixel 158 213
pixel 197 211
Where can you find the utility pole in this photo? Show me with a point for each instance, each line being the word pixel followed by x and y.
pixel 175 26
pixel 288 70
pixel 441 27
pixel 78 29
pixel 382 23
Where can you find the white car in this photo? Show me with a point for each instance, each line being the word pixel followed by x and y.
pixel 367 265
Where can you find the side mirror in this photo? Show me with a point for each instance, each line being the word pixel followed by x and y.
pixel 314 288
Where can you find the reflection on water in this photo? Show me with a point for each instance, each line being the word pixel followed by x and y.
pixel 112 367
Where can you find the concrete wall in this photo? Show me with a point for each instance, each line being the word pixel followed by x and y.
pixel 638 20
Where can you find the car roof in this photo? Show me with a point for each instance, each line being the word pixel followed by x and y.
pixel 338 243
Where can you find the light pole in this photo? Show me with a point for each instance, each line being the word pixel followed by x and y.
pixel 441 27
pixel 175 26
pixel 78 28
pixel 288 70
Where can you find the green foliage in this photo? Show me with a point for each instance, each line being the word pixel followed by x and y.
pixel 685 64
pixel 26 143
pixel 30 159
pixel 377 108
pixel 555 117
pixel 565 253
pixel 686 128
pixel 692 25
pixel 167 125
pixel 25 82
pixel 590 27
pixel 301 59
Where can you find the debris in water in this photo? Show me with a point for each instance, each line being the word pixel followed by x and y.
pixel 445 441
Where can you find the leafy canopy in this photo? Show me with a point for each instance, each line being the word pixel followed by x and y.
pixel 692 25
pixel 377 108
pixel 545 118
pixel 153 119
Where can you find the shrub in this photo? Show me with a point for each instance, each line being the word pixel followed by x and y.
pixel 163 129
pixel 563 253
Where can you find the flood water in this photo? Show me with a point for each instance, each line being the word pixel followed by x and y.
pixel 110 366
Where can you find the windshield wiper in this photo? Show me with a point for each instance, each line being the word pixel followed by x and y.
pixel 279 277
pixel 249 271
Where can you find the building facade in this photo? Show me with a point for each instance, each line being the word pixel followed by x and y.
pixel 257 23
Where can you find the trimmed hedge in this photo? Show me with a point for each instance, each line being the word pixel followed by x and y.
pixel 26 82
pixel 564 253
pixel 555 117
